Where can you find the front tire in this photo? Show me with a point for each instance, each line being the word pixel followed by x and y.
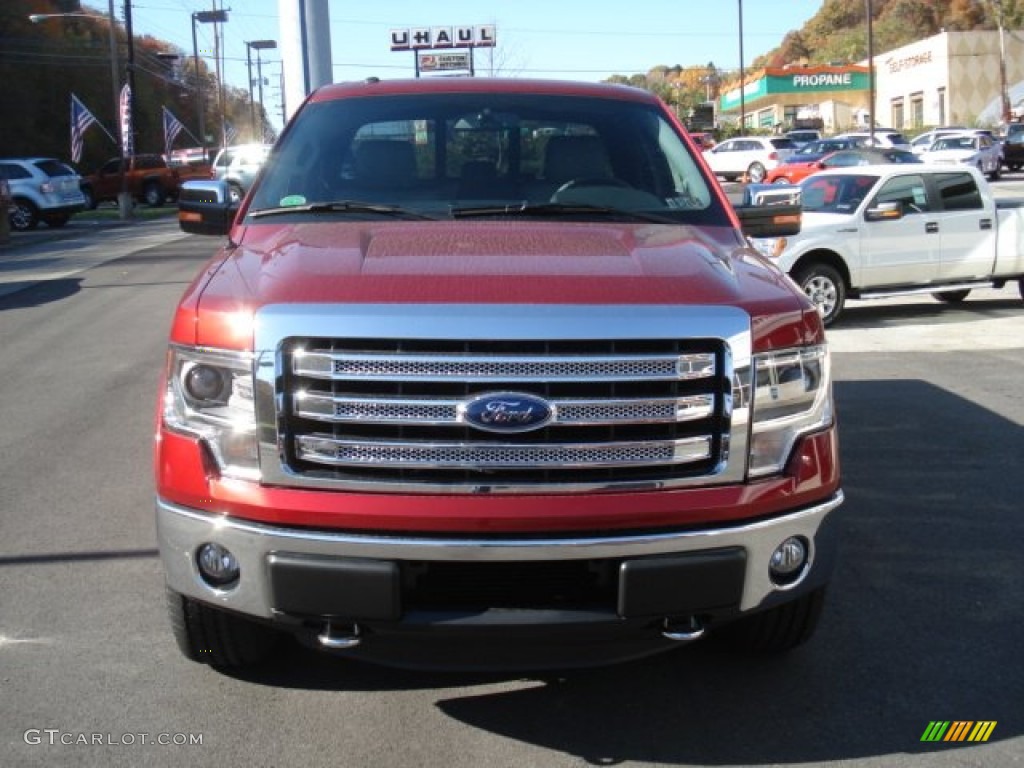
pixel 210 636
pixel 235 193
pixel 778 629
pixel 951 297
pixel 756 173
pixel 825 287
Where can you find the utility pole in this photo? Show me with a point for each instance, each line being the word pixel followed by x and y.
pixel 743 78
pixel 871 75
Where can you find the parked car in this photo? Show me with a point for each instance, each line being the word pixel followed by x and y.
pixel 245 164
pixel 924 141
pixel 703 139
pixel 793 173
pixel 191 163
pixel 150 180
pixel 750 156
pixel 882 137
pixel 802 136
pixel 1013 150
pixel 42 189
pixel 804 161
pixel 880 231
pixel 968 148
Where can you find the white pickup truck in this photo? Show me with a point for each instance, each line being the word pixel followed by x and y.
pixel 877 231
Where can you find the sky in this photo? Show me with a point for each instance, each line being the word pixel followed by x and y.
pixel 574 39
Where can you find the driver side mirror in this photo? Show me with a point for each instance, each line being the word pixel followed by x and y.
pixel 770 210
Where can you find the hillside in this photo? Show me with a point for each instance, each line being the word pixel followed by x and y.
pixel 838 32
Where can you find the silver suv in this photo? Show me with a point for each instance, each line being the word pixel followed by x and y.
pixel 239 166
pixel 42 189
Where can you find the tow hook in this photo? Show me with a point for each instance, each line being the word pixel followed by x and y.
pixel 682 631
pixel 339 638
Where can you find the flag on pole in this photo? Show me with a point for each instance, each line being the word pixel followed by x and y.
pixel 81 120
pixel 127 132
pixel 172 127
pixel 230 132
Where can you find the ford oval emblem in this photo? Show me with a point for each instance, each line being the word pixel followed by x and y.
pixel 506 412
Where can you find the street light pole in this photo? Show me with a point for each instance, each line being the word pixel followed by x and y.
pixel 252 104
pixel 871 75
pixel 743 77
pixel 258 45
pixel 204 17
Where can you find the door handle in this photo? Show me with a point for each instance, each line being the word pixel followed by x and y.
pixel 985 224
pixel 931 227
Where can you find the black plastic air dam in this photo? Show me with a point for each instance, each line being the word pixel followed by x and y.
pixel 354 589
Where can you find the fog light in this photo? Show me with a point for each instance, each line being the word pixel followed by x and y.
pixel 217 565
pixel 789 561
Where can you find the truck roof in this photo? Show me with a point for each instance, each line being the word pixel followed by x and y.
pixel 377 87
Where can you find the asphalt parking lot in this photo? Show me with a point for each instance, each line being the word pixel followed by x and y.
pixel 922 624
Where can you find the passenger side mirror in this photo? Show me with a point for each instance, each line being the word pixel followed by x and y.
pixel 770 210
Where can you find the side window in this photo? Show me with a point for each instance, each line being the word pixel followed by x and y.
pixel 909 191
pixel 958 192
pixel 111 166
pixel 12 171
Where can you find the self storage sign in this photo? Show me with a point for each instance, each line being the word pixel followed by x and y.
pixel 426 38
pixel 444 62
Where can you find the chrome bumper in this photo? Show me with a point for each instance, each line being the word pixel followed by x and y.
pixel 181 531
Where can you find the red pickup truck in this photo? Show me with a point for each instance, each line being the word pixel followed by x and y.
pixel 486 374
pixel 149 180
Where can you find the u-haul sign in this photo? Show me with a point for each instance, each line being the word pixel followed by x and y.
pixel 425 38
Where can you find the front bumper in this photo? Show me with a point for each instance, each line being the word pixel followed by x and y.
pixel 300 578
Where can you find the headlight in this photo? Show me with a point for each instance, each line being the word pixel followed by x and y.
pixel 210 396
pixel 792 397
pixel 769 247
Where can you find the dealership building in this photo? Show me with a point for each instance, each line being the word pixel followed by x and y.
pixel 950 78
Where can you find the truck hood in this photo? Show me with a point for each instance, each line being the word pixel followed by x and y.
pixel 460 262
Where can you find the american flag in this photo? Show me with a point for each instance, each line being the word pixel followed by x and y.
pixel 172 127
pixel 81 119
pixel 230 132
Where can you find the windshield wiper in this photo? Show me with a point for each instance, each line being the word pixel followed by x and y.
pixel 557 209
pixel 344 206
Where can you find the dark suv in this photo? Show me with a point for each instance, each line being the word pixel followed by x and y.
pixel 1013 147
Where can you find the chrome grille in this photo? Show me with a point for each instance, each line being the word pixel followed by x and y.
pixel 381 412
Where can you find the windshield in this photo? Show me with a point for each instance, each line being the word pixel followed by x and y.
pixel 504 154
pixel 835 194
